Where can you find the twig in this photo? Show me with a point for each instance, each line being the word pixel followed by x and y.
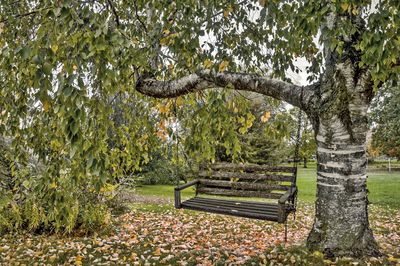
pixel 33 12
pixel 138 18
pixel 114 12
pixel 218 13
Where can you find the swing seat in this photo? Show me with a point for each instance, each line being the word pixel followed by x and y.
pixel 276 183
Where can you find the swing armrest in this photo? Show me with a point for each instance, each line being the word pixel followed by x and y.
pixel 178 192
pixel 189 184
pixel 290 193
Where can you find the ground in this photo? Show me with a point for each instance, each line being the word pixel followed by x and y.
pixel 153 233
pixel 154 237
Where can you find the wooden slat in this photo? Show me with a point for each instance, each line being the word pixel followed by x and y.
pixel 238 193
pixel 260 205
pixel 247 176
pixel 252 167
pixel 232 212
pixel 267 208
pixel 242 185
pixel 227 207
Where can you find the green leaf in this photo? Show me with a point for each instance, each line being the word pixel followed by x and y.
pixel 37 60
pixel 47 68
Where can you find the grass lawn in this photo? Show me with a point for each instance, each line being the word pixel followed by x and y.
pixel 384 188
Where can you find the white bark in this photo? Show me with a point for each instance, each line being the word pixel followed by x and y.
pixel 341 224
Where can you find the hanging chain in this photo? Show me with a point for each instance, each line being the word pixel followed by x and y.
pixel 177 144
pixel 298 136
pixel 297 149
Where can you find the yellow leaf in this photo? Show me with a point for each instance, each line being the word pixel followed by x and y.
pixel 318 254
pixel 54 48
pixel 164 109
pixel 265 117
pixel 165 41
pixel 157 252
pixel 249 123
pixel 242 130
pixel 354 11
pixel 223 66
pixel 166 32
pixel 53 185
pixel 46 105
pixel 160 134
pixel 135 40
pixel 78 260
pixel 207 63
pixel 344 6
pixel 162 124
pixel 228 10
pixel 133 256
pixel 179 101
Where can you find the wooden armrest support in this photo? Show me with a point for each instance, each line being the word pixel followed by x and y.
pixel 189 184
pixel 178 192
pixel 282 212
pixel 287 195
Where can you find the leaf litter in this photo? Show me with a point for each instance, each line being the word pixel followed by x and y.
pixel 180 237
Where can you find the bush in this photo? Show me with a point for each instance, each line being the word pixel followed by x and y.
pixel 32 200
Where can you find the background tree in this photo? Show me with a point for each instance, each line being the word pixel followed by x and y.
pixel 386 121
pixel 61 62
pixel 308 147
pixel 267 140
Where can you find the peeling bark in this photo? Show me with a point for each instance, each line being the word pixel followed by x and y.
pixel 341 226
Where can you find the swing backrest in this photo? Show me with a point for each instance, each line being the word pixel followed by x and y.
pixel 246 180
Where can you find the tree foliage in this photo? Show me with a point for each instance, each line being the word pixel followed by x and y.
pixel 267 141
pixel 308 146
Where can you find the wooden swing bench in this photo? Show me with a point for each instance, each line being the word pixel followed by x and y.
pixel 277 183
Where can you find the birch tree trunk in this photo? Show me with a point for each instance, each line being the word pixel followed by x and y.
pixel 341 225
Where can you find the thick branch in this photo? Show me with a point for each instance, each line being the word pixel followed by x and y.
pixel 205 79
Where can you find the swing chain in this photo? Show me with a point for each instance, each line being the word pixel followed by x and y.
pixel 177 144
pixel 296 150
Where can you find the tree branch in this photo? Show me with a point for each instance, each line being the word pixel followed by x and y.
pixel 114 12
pixel 205 79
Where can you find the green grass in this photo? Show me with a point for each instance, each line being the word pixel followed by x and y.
pixel 163 191
pixel 383 164
pixel 306 183
pixel 384 188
